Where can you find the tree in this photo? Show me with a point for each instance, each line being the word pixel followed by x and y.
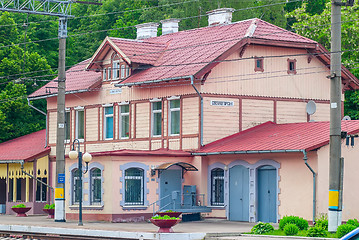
pixel 317 27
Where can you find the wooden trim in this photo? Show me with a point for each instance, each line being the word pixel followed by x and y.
pixel 181 124
pixel 114 121
pixel 275 111
pixel 278 43
pixel 294 61
pixel 99 124
pixel 150 124
pixel 134 119
pixel 261 68
pixel 48 127
pixel 199 121
pixel 129 119
pixel 264 98
pixel 72 133
pixel 85 130
pixel 118 121
pixel 168 124
pixel 163 122
pixel 240 114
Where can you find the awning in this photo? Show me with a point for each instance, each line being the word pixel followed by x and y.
pixel 185 166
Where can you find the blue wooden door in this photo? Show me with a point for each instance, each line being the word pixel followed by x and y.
pixel 239 193
pixel 267 194
pixel 170 180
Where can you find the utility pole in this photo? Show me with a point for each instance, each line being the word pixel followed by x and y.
pixel 335 161
pixel 60 146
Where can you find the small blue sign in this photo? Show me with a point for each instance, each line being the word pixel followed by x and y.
pixel 61 178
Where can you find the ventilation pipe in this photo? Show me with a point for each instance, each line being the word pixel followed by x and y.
pixel 305 158
pixel 220 16
pixel 199 94
pixel 169 26
pixel 28 103
pixel 146 30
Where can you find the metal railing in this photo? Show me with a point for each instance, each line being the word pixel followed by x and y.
pixel 187 201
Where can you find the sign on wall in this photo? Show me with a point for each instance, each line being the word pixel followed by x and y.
pixel 222 103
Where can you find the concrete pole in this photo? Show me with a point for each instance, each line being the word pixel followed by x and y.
pixel 335 211
pixel 60 146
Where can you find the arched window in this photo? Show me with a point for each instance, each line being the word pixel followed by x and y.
pixel 134 186
pixel 75 186
pixel 96 186
pixel 217 187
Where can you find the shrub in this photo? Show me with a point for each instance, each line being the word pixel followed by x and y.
pixel 299 222
pixel 290 229
pixel 353 222
pixel 262 228
pixel 316 231
pixel 48 206
pixel 165 217
pixel 21 205
pixel 344 229
pixel 322 222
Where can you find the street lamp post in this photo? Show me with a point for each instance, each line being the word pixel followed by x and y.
pixel 87 158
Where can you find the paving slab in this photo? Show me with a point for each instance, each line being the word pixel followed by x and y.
pixel 138 230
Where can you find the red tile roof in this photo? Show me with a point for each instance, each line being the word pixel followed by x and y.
pixel 77 80
pixel 271 137
pixel 24 148
pixel 159 152
pixel 183 54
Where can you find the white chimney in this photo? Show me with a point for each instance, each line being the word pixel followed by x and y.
pixel 220 16
pixel 146 30
pixel 169 26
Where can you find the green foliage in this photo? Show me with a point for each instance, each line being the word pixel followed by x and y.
pixel 290 229
pixel 322 222
pixel 165 217
pixel 261 228
pixel 301 223
pixel 353 222
pixel 344 229
pixel 317 231
pixel 317 27
pixel 49 206
pixel 21 205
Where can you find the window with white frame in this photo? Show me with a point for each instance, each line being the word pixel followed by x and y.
pixel 109 73
pixel 174 117
pixel 134 186
pixel 156 119
pixel 108 122
pixel 116 69
pixel 123 71
pixel 67 125
pixel 80 124
pixel 124 121
pixel 127 71
pixel 75 174
pixel 104 74
pixel 96 186
pixel 217 187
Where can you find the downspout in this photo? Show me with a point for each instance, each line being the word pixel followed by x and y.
pixel 199 94
pixel 305 158
pixel 28 103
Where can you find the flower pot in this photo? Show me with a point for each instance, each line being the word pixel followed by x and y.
pixel 21 212
pixel 50 212
pixel 170 214
pixel 165 225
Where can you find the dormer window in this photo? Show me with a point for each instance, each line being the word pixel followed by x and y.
pixel 104 76
pixel 116 69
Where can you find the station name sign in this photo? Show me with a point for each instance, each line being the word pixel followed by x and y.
pixel 222 103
